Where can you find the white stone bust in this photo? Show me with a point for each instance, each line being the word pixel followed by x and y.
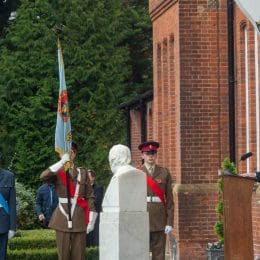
pixel 127 188
pixel 119 157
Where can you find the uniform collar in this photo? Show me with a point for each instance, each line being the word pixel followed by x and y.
pixel 148 166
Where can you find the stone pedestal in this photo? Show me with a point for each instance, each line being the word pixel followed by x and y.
pixel 123 236
pixel 124 222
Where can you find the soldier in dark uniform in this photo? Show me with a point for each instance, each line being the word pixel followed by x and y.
pixel 7 209
pixel 159 199
pixel 46 202
pixel 71 234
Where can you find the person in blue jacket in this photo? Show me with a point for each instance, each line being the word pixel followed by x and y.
pixel 46 202
pixel 93 236
pixel 7 209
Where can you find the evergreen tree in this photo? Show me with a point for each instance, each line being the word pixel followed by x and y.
pixel 138 39
pixel 106 49
pixel 95 72
pixel 27 55
pixel 6 8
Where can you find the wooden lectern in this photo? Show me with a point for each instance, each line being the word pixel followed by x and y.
pixel 238 236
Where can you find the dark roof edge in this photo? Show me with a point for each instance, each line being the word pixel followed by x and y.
pixel 146 97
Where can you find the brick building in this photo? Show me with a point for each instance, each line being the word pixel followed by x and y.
pixel 190 111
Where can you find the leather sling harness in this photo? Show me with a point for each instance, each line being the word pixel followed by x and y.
pixel 80 200
pixel 152 184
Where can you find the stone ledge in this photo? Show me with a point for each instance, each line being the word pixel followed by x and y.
pixel 195 188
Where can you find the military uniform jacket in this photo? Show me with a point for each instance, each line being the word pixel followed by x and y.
pixel 58 220
pixel 160 215
pixel 7 189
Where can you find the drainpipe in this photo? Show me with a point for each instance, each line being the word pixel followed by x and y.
pixel 231 81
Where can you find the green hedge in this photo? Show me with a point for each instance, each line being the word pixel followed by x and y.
pixel 32 254
pixel 25 243
pixel 27 239
pixel 38 244
pixel 36 233
pixel 45 253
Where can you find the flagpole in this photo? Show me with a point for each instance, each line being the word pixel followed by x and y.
pixel 63 127
pixel 69 199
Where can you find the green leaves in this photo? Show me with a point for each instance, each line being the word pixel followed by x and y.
pixel 228 167
pixel 107 56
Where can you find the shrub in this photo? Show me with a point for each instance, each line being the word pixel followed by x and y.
pixel 26 216
pixel 227 167
pixel 28 239
pixel 45 254
pixel 38 244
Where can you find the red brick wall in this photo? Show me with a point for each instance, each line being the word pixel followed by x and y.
pixel 149 122
pixel 190 109
pixel 166 111
pixel 242 24
pixel 135 118
pixel 189 113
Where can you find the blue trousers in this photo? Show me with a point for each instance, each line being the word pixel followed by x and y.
pixel 3 245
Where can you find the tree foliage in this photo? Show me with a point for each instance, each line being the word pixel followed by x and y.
pixel 106 49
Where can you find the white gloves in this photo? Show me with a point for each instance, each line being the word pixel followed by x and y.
pixel 41 217
pixel 92 219
pixel 11 233
pixel 168 229
pixel 65 158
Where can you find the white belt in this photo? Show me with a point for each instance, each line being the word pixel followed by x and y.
pixel 153 199
pixel 73 201
pixel 65 200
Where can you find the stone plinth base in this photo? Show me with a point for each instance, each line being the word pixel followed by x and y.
pixel 124 236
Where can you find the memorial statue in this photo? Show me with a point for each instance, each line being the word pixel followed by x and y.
pixel 124 222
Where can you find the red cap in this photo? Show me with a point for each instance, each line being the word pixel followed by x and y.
pixel 149 146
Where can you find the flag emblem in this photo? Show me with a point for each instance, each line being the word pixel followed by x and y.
pixel 63 106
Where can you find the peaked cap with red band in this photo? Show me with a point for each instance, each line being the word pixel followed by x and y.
pixel 149 146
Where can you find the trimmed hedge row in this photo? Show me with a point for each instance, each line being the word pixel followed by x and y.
pixel 38 244
pixel 45 254
pixel 32 254
pixel 30 243
pixel 28 239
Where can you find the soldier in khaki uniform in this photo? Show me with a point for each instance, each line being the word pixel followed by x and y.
pixel 71 235
pixel 159 199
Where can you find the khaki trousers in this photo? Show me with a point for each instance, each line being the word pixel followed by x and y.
pixel 157 245
pixel 71 245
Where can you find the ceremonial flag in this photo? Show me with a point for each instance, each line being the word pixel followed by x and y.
pixel 63 136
